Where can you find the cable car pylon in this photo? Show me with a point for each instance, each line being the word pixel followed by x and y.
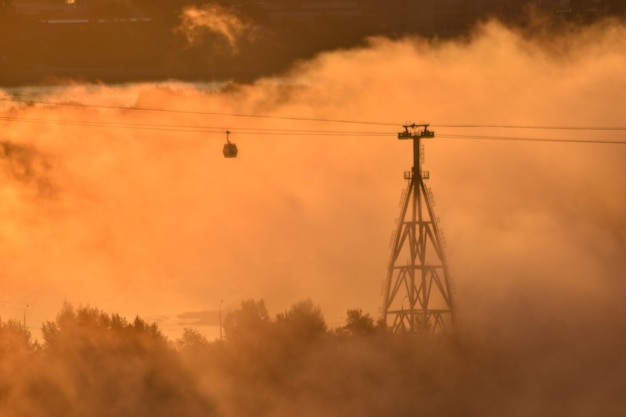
pixel 418 296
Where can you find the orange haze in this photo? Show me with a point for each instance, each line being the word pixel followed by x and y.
pixel 156 222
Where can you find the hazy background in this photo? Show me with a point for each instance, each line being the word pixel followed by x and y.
pixel 154 221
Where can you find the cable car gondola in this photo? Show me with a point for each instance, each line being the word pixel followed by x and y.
pixel 230 149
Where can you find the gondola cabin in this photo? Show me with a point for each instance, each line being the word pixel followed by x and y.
pixel 230 150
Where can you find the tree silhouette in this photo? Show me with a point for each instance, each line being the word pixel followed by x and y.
pixel 302 324
pixel 16 353
pixel 15 339
pixel 192 340
pixel 248 326
pixel 359 324
pixel 99 359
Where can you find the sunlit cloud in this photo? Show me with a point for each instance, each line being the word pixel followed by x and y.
pixel 213 24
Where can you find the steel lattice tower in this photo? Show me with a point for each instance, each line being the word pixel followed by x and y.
pixel 418 290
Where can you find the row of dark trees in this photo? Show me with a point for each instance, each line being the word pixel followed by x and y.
pixel 93 363
pixel 90 363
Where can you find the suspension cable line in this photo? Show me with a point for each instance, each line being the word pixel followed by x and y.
pixel 536 140
pixel 299 132
pixel 313 119
pixel 537 127
pixel 204 113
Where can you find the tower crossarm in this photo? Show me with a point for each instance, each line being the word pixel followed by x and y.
pixel 417 131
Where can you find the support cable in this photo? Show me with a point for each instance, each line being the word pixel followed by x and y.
pixel 300 132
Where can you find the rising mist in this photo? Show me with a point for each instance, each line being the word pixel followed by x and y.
pixel 137 216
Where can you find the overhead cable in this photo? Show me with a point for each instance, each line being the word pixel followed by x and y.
pixel 205 113
pixel 298 132
pixel 527 139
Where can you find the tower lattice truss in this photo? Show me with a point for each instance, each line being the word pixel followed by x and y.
pixel 418 291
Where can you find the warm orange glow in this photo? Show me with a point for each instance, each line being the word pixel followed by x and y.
pixel 157 222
